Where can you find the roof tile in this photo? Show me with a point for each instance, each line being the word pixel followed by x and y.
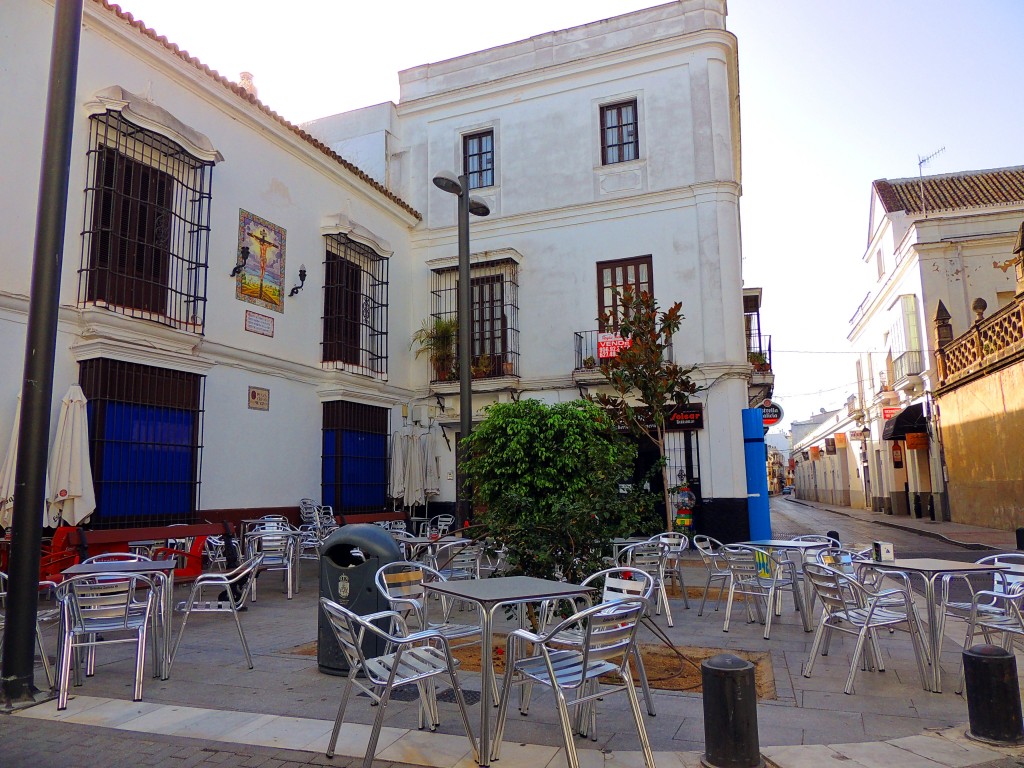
pixel 951 191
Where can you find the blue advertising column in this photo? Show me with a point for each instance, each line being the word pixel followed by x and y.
pixel 758 511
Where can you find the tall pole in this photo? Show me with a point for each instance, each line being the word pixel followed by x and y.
pixel 40 347
pixel 465 316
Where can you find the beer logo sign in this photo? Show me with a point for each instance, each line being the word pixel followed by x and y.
pixel 771 413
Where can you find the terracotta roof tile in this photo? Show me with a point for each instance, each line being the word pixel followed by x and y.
pixel 243 94
pixel 950 191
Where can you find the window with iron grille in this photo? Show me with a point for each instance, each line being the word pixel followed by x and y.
pixel 147 224
pixel 620 139
pixel 354 475
pixel 478 159
pixel 355 307
pixel 494 288
pixel 145 440
pixel 613 277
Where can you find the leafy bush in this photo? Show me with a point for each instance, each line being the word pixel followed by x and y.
pixel 546 481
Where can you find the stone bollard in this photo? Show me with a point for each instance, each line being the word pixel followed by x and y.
pixel 993 696
pixel 1020 538
pixel 730 713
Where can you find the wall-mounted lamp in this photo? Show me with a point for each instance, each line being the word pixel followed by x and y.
pixel 302 281
pixel 243 256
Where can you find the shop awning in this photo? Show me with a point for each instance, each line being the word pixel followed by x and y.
pixel 910 419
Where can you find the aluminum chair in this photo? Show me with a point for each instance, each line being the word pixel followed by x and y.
pixel 278 546
pixel 458 560
pixel 760 577
pixel 615 584
pixel 608 632
pixel 995 611
pixel 94 610
pixel 714 563
pixel 650 557
pixel 43 614
pixel 418 658
pixel 233 589
pixel 1003 582
pixel 849 606
pixel 442 523
pixel 677 544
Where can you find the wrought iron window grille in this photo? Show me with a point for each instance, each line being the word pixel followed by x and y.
pixel 355 314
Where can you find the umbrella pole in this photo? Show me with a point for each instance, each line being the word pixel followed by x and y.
pixel 40 348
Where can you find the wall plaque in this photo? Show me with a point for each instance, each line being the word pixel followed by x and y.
pixel 257 323
pixel 259 399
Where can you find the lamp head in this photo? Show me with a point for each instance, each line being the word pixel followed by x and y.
pixel 478 207
pixel 448 182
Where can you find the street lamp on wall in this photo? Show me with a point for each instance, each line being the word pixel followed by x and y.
pixel 302 282
pixel 459 185
pixel 243 257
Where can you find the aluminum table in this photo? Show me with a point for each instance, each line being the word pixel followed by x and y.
pixel 491 594
pixel 930 569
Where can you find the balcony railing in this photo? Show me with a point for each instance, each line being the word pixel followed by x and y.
pixel 759 352
pixel 986 343
pixel 585 351
pixel 906 365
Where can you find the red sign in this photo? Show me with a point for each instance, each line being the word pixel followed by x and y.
pixel 889 412
pixel 917 441
pixel 610 344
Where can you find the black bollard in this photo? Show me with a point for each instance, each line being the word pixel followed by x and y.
pixel 1020 538
pixel 931 507
pixel 833 535
pixel 730 713
pixel 917 506
pixel 993 696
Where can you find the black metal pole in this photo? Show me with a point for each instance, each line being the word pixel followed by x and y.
pixel 40 346
pixel 465 314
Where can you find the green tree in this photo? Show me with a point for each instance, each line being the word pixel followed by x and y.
pixel 642 374
pixel 546 480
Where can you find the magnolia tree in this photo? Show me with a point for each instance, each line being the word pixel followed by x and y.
pixel 647 385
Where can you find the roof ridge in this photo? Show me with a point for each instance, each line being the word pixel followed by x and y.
pixel 955 174
pixel 245 95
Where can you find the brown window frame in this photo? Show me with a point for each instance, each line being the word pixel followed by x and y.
pixel 483 174
pixel 620 136
pixel 608 295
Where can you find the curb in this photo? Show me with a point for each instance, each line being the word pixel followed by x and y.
pixel 909 528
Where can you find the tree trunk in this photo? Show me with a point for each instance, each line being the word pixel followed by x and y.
pixel 669 513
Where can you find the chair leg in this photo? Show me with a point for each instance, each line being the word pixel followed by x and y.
pixel 704 598
pixel 664 599
pixel 643 680
pixel 378 723
pixel 569 745
pixel 140 661
pixel 815 645
pixel 638 718
pixel 499 723
pixel 728 606
pixel 461 701
pixel 67 651
pixel 47 669
pixel 858 649
pixel 241 636
pixel 341 712
pixel 773 596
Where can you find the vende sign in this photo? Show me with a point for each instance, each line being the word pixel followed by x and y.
pixel 771 413
pixel 610 344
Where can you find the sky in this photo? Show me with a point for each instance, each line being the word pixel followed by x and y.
pixel 833 95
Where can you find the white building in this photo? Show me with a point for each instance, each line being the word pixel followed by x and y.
pixel 608 155
pixel 943 238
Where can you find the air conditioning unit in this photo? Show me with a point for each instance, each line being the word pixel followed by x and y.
pixel 421 415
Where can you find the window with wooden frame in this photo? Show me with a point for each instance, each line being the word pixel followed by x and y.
pixel 620 136
pixel 494 287
pixel 355 307
pixel 478 159
pixel 615 276
pixel 147 225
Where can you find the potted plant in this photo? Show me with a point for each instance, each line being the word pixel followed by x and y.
pixel 589 362
pixel 758 360
pixel 437 337
pixel 482 367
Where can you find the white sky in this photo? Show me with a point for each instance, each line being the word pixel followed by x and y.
pixel 833 95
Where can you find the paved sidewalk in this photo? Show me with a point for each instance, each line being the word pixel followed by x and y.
pixel 214 710
pixel 970 536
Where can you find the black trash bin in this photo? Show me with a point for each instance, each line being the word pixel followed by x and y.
pixel 346 577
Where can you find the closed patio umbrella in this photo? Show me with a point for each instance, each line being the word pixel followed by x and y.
pixel 414 477
pixel 432 472
pixel 7 475
pixel 396 479
pixel 73 497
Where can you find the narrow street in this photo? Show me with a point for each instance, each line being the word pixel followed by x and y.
pixel 791 518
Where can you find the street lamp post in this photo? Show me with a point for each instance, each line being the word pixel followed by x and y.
pixel 459 185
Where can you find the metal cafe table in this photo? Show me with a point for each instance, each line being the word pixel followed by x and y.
pixel 163 571
pixel 930 569
pixel 491 594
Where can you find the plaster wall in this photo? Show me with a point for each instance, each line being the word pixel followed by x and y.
pixel 983 435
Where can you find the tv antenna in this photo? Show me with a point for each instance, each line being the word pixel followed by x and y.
pixel 921 162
